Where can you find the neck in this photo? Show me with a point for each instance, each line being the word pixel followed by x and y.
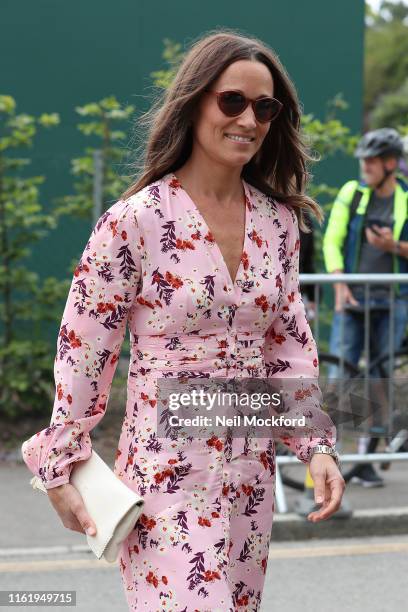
pixel 388 188
pixel 209 180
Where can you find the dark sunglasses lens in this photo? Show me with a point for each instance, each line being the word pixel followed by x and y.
pixel 231 103
pixel 267 109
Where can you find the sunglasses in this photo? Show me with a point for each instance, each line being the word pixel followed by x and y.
pixel 232 103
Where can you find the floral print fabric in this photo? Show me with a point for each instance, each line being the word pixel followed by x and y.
pixel 151 262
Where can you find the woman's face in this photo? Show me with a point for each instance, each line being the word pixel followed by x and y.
pixel 212 127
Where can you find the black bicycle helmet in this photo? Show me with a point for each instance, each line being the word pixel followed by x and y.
pixel 380 143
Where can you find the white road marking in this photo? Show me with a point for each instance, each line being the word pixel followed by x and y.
pixel 54 565
pixel 339 550
pixel 368 548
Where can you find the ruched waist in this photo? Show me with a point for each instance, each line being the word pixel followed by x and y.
pixel 193 352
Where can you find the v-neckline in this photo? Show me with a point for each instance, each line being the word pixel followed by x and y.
pixel 215 243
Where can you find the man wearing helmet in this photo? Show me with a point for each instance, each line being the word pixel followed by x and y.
pixel 367 232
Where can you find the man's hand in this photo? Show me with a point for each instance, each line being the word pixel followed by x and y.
pixel 342 296
pixel 329 486
pixel 383 241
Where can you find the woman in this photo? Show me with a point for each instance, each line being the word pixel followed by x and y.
pixel 200 256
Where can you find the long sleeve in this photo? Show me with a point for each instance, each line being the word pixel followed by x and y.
pixel 291 352
pixel 104 286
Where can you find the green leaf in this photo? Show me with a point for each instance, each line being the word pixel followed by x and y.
pixel 7 105
pixel 49 119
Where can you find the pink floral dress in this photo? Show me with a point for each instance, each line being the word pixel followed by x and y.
pixel 151 261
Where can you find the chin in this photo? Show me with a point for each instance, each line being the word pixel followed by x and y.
pixel 236 163
pixel 240 158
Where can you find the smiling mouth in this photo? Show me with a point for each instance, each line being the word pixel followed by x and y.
pixel 237 138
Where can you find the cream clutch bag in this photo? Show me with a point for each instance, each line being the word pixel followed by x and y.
pixel 113 506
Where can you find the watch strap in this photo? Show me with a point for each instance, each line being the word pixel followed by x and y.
pixel 325 449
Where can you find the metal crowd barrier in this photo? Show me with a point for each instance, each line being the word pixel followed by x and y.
pixel 280 496
pixel 367 280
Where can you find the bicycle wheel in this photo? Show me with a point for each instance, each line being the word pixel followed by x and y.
pixel 399 386
pixel 326 362
pixel 287 479
pixel 400 369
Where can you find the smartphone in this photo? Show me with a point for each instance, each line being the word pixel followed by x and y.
pixel 379 222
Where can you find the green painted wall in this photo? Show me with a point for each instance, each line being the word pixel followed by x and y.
pixel 55 55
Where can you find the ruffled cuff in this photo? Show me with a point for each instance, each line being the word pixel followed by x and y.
pixel 51 460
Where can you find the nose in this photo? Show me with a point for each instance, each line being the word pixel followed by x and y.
pixel 247 118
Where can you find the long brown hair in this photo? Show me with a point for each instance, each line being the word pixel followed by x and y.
pixel 278 169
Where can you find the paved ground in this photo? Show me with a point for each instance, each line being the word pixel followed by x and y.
pixel 342 574
pixel 31 521
pixel 353 574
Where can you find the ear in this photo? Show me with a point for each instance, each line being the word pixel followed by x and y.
pixel 391 163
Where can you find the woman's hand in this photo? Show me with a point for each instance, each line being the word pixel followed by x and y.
pixel 69 504
pixel 329 486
